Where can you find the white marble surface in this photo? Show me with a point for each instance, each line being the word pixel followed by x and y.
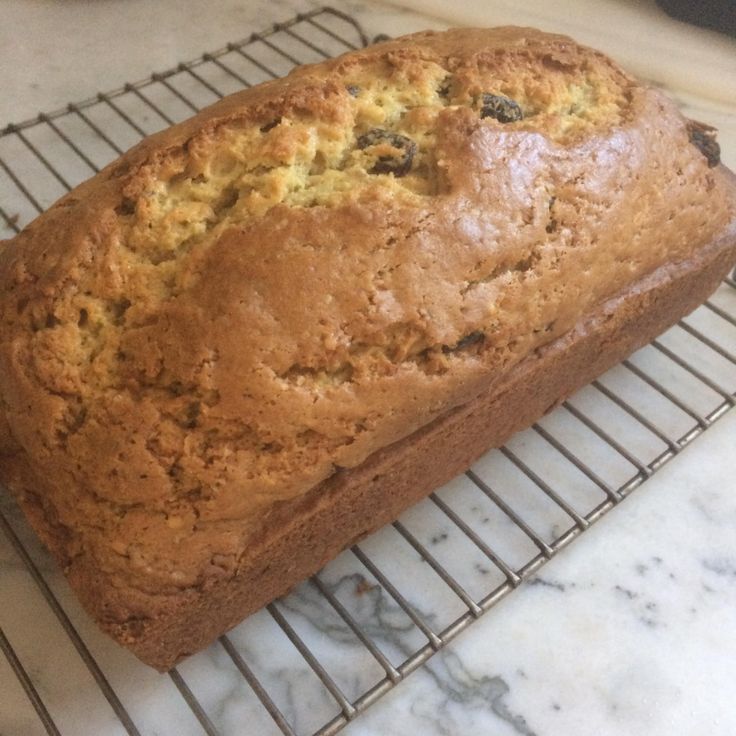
pixel 631 630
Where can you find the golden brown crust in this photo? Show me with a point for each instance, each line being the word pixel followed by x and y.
pixel 309 272
pixel 308 531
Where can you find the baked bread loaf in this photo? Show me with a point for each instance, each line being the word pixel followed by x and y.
pixel 264 332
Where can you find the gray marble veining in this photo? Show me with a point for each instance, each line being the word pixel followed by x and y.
pixel 630 631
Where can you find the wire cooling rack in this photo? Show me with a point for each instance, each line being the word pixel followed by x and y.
pixel 311 662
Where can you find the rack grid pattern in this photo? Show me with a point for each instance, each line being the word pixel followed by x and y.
pixel 470 543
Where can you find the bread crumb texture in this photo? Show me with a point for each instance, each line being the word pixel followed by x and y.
pixel 311 270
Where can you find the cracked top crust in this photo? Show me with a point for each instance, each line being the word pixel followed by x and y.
pixel 313 269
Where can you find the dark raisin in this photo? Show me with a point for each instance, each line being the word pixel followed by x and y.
pixel 703 137
pixel 470 339
pixel 126 207
pixel 119 309
pixel 191 415
pixel 353 90
pixel 444 89
pixel 552 222
pixel 398 164
pixel 270 126
pixel 500 108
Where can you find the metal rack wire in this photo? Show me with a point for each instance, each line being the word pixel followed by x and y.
pixel 355 630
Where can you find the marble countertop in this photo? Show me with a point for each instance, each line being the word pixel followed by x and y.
pixel 630 630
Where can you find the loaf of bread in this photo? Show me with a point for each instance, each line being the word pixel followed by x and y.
pixel 263 333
